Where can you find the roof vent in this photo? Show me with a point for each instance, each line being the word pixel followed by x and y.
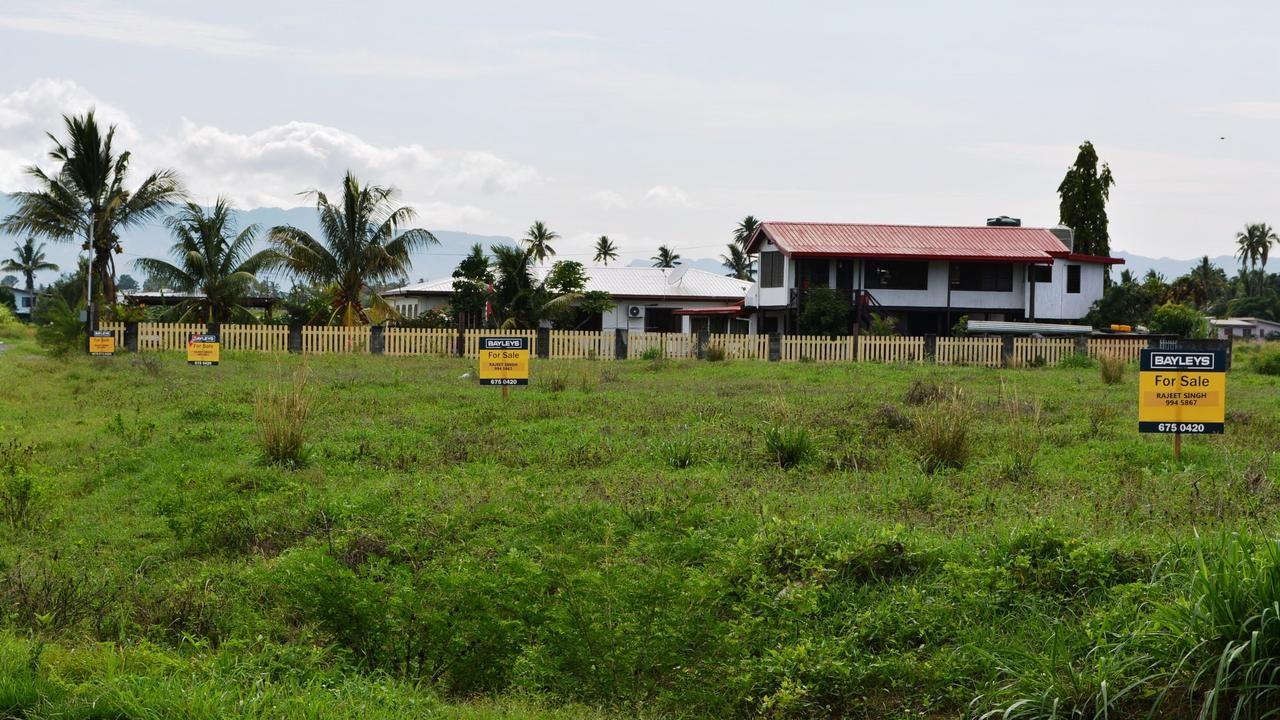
pixel 1004 221
pixel 1066 235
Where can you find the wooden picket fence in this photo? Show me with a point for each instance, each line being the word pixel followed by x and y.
pixel 741 347
pixel 1041 351
pixel 1125 348
pixel 670 345
pixel 117 329
pixel 260 338
pixel 317 340
pixel 985 352
pixel 153 337
pixel 581 344
pixel 420 341
pixel 818 348
pixel 890 349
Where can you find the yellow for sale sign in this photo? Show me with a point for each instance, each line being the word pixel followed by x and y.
pixel 203 349
pixel 1182 392
pixel 102 343
pixel 504 361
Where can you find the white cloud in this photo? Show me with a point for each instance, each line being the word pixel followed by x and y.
pixel 266 167
pixel 667 195
pixel 608 200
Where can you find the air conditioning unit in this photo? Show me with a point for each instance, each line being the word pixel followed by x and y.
pixel 635 311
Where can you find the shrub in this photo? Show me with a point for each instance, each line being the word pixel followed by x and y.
pixel 60 331
pixel 889 417
pixel 885 325
pixel 825 312
pixel 943 437
pixel 715 354
pixel 10 325
pixel 923 392
pixel 18 491
pixel 680 453
pixel 651 353
pixel 787 446
pixel 1267 362
pixel 1228 628
pixel 1112 369
pixel 1076 361
pixel 281 415
pixel 1181 320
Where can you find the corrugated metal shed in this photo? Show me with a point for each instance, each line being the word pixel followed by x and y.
pixel 915 242
pixel 627 282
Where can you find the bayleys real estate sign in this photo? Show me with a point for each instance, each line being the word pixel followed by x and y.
pixel 504 361
pixel 1182 392
pixel 203 349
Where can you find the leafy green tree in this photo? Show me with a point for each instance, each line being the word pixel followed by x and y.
pixel 9 281
pixel 566 276
pixel 1084 192
pixel 1181 320
pixel 825 312
pixel 471 282
pixel 1206 283
pixel 538 241
pixel 742 233
pixel 86 198
pixel 738 262
pixel 666 258
pixel 606 251
pixel 211 260
pixel 1127 302
pixel 28 259
pixel 127 283
pixel 363 244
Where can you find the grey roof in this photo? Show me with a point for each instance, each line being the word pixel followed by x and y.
pixel 627 282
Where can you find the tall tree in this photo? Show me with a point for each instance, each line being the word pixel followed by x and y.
pixel 211 261
pixel 738 262
pixel 86 198
pixel 1253 245
pixel 666 258
pixel 514 289
pixel 605 250
pixel 472 280
pixel 363 243
pixel 742 233
pixel 538 240
pixel 28 259
pixel 127 283
pixel 1083 208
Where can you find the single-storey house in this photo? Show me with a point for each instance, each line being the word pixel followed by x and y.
pixel 23 301
pixel 1246 328
pixel 648 299
pixel 925 276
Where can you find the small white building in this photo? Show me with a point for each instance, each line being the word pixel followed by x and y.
pixel 1246 328
pixel 23 301
pixel 648 299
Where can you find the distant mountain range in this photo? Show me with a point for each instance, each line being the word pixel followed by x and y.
pixel 154 241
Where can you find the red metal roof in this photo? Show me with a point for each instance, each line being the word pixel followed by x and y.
pixel 916 242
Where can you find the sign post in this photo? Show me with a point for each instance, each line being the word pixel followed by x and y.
pixel 102 343
pixel 1182 392
pixel 504 361
pixel 203 349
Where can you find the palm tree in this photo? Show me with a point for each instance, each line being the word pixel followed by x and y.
pixel 1206 281
pixel 666 258
pixel 514 290
pixel 86 198
pixel 605 250
pixel 738 262
pixel 743 232
pixel 210 259
pixel 538 239
pixel 28 259
pixel 1254 245
pixel 363 244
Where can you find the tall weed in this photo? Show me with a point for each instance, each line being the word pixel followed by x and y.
pixel 281 413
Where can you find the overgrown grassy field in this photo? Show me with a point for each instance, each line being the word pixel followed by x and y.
pixel 622 539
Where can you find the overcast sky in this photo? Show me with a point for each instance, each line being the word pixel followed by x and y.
pixel 667 122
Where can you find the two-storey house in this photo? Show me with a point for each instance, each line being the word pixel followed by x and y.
pixel 925 276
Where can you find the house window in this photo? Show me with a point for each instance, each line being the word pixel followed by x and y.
pixel 813 272
pixel 897 275
pixel 770 269
pixel 982 277
pixel 662 320
pixel 1041 273
pixel 1073 279
pixel 26 301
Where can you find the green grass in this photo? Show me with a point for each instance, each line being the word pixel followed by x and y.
pixel 622 544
